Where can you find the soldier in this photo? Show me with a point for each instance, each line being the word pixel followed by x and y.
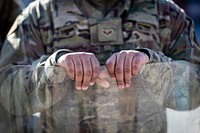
pixel 81 35
pixel 9 9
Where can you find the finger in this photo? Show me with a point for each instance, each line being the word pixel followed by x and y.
pixel 137 62
pixel 102 82
pixel 78 72
pixel 110 65
pixel 87 71
pixel 145 58
pixel 95 69
pixel 119 70
pixel 67 63
pixel 127 69
pixel 70 68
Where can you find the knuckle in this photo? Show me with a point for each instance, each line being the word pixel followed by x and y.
pixel 70 70
pixel 96 69
pixel 78 67
pixel 79 73
pixel 127 64
pixel 123 53
pixel 137 53
pixel 135 67
pixel 69 65
pixel 109 64
pixel 119 70
pixel 68 56
pixel 92 55
pixel 87 63
pixel 127 70
pixel 128 81
pixel 88 72
pixel 136 61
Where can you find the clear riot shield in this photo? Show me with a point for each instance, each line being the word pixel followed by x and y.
pixel 164 98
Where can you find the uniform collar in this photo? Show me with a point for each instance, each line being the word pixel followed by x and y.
pixel 90 11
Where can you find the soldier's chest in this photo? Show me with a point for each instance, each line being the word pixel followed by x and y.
pixel 81 33
pixel 75 31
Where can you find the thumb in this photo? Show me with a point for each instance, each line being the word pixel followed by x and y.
pixel 102 83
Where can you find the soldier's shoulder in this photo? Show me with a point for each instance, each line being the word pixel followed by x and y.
pixel 40 3
pixel 47 5
pixel 168 6
pixel 37 9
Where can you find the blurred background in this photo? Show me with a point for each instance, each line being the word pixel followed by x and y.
pixel 26 2
pixel 191 7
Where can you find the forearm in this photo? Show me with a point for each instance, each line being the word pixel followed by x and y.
pixel 27 89
pixel 18 90
pixel 183 45
pixel 155 56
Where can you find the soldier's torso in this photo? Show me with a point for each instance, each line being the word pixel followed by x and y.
pixel 135 28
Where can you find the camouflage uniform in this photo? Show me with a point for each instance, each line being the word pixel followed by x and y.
pixel 49 28
pixel 9 9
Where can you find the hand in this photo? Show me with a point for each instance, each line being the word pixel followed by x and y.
pixel 82 67
pixel 123 65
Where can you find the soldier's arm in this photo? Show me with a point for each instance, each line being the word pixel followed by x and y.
pixel 24 84
pixel 183 44
pixel 10 9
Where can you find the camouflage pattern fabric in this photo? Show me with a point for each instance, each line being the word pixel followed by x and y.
pixel 141 108
pixel 9 10
pixel 48 28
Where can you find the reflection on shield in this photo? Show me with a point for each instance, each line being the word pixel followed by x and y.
pixel 147 106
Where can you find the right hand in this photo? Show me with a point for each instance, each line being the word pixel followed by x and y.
pixel 82 67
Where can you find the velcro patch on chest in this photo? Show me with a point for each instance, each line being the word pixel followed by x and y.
pixel 107 33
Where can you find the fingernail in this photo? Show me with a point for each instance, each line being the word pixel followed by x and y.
pixel 78 87
pixel 127 85
pixel 121 86
pixel 84 87
pixel 92 83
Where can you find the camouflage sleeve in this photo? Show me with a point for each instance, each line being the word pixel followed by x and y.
pixel 24 85
pixel 155 56
pixel 183 44
pixel 9 10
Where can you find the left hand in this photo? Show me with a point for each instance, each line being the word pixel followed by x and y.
pixel 123 65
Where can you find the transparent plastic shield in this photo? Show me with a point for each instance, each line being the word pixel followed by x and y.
pixel 163 98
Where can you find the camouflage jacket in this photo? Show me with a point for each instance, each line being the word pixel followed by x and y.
pixel 48 28
pixel 9 9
